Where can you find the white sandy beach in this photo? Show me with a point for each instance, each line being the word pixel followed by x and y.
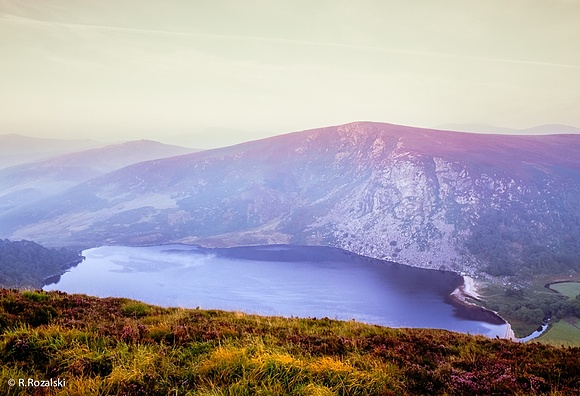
pixel 469 287
pixel 509 333
pixel 469 291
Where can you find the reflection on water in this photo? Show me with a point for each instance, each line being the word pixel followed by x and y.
pixel 301 281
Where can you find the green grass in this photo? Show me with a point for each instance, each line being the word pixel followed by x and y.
pixel 565 332
pixel 525 306
pixel 122 347
pixel 136 309
pixel 568 289
pixel 34 296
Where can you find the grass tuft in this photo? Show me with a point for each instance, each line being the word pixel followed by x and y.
pixel 135 309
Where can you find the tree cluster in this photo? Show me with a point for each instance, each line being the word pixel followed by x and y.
pixel 534 308
pixel 26 264
pixel 528 239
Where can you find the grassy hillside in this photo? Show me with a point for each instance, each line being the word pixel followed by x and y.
pixel 565 332
pixel 124 347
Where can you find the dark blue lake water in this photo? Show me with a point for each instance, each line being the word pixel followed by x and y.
pixel 301 281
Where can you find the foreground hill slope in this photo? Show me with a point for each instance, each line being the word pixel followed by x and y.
pixel 123 347
pixel 470 202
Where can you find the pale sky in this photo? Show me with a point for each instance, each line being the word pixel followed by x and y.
pixel 127 69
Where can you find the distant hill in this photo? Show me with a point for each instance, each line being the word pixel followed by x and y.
pixel 551 129
pixel 17 149
pixel 548 129
pixel 30 182
pixel 211 138
pixel 116 156
pixel 438 199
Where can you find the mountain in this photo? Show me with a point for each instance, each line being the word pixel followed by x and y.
pixel 547 129
pixel 30 182
pixel 551 129
pixel 210 138
pixel 430 198
pixel 477 128
pixel 18 149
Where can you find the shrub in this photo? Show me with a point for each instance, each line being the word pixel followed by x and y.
pixel 35 295
pixel 135 309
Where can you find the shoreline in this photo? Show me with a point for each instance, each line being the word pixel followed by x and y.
pixel 468 291
pixel 55 278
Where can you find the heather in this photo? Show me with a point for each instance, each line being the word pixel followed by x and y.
pixel 124 347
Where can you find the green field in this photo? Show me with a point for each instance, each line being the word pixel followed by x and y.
pixel 568 289
pixel 565 332
pixel 525 306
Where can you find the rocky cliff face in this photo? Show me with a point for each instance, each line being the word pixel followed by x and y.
pixel 423 197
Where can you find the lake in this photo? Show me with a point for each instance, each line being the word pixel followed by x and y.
pixel 302 281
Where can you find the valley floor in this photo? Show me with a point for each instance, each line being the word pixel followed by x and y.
pixel 519 305
pixel 565 332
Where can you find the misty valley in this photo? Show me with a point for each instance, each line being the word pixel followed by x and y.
pixel 302 281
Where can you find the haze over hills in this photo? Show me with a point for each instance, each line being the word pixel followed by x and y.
pixel 430 198
pixel 547 129
pixel 17 149
pixel 25 183
pixel 210 138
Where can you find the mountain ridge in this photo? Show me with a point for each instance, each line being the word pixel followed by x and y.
pixel 544 129
pixel 17 149
pixel 436 199
pixel 29 182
